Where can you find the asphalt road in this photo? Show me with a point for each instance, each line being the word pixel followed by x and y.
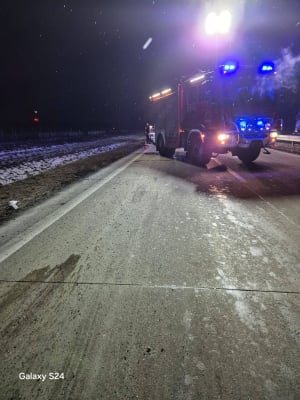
pixel 156 279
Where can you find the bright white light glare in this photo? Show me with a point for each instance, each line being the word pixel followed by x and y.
pixel 166 91
pixel 197 78
pixel 224 22
pixel 218 23
pixel 211 23
pixel 147 43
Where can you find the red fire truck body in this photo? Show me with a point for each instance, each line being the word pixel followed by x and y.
pixel 211 114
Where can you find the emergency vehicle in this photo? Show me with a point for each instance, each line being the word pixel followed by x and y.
pixel 229 109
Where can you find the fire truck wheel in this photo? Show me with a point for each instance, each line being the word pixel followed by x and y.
pixel 247 156
pixel 164 151
pixel 198 155
pixel 169 153
pixel 160 144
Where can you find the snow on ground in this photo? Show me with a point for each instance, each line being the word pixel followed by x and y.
pixel 20 163
pixel 15 153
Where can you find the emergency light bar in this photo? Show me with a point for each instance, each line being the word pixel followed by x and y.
pixel 229 67
pixel 197 78
pixel 160 95
pixel 266 67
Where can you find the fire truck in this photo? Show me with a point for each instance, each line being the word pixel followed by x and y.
pixel 228 109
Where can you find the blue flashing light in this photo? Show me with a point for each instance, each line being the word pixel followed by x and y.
pixel 229 67
pixel 248 124
pixel 266 67
pixel 242 124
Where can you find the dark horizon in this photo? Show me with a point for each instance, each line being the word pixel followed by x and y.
pixel 81 64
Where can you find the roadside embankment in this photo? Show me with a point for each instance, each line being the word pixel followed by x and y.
pixel 34 189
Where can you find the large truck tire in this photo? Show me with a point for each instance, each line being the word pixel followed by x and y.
pixel 164 151
pixel 168 152
pixel 197 153
pixel 247 156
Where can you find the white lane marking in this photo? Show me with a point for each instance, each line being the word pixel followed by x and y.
pixel 55 216
pixel 243 180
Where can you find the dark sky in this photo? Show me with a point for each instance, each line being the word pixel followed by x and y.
pixel 81 64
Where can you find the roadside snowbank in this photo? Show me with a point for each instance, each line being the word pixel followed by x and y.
pixel 20 164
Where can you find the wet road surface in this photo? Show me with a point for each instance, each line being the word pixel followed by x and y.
pixel 156 279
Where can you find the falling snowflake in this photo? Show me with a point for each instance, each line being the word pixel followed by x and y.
pixel 147 43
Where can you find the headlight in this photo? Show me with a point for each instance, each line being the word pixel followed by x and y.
pixel 222 137
pixel 273 136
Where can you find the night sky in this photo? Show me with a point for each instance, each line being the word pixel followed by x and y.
pixel 81 64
